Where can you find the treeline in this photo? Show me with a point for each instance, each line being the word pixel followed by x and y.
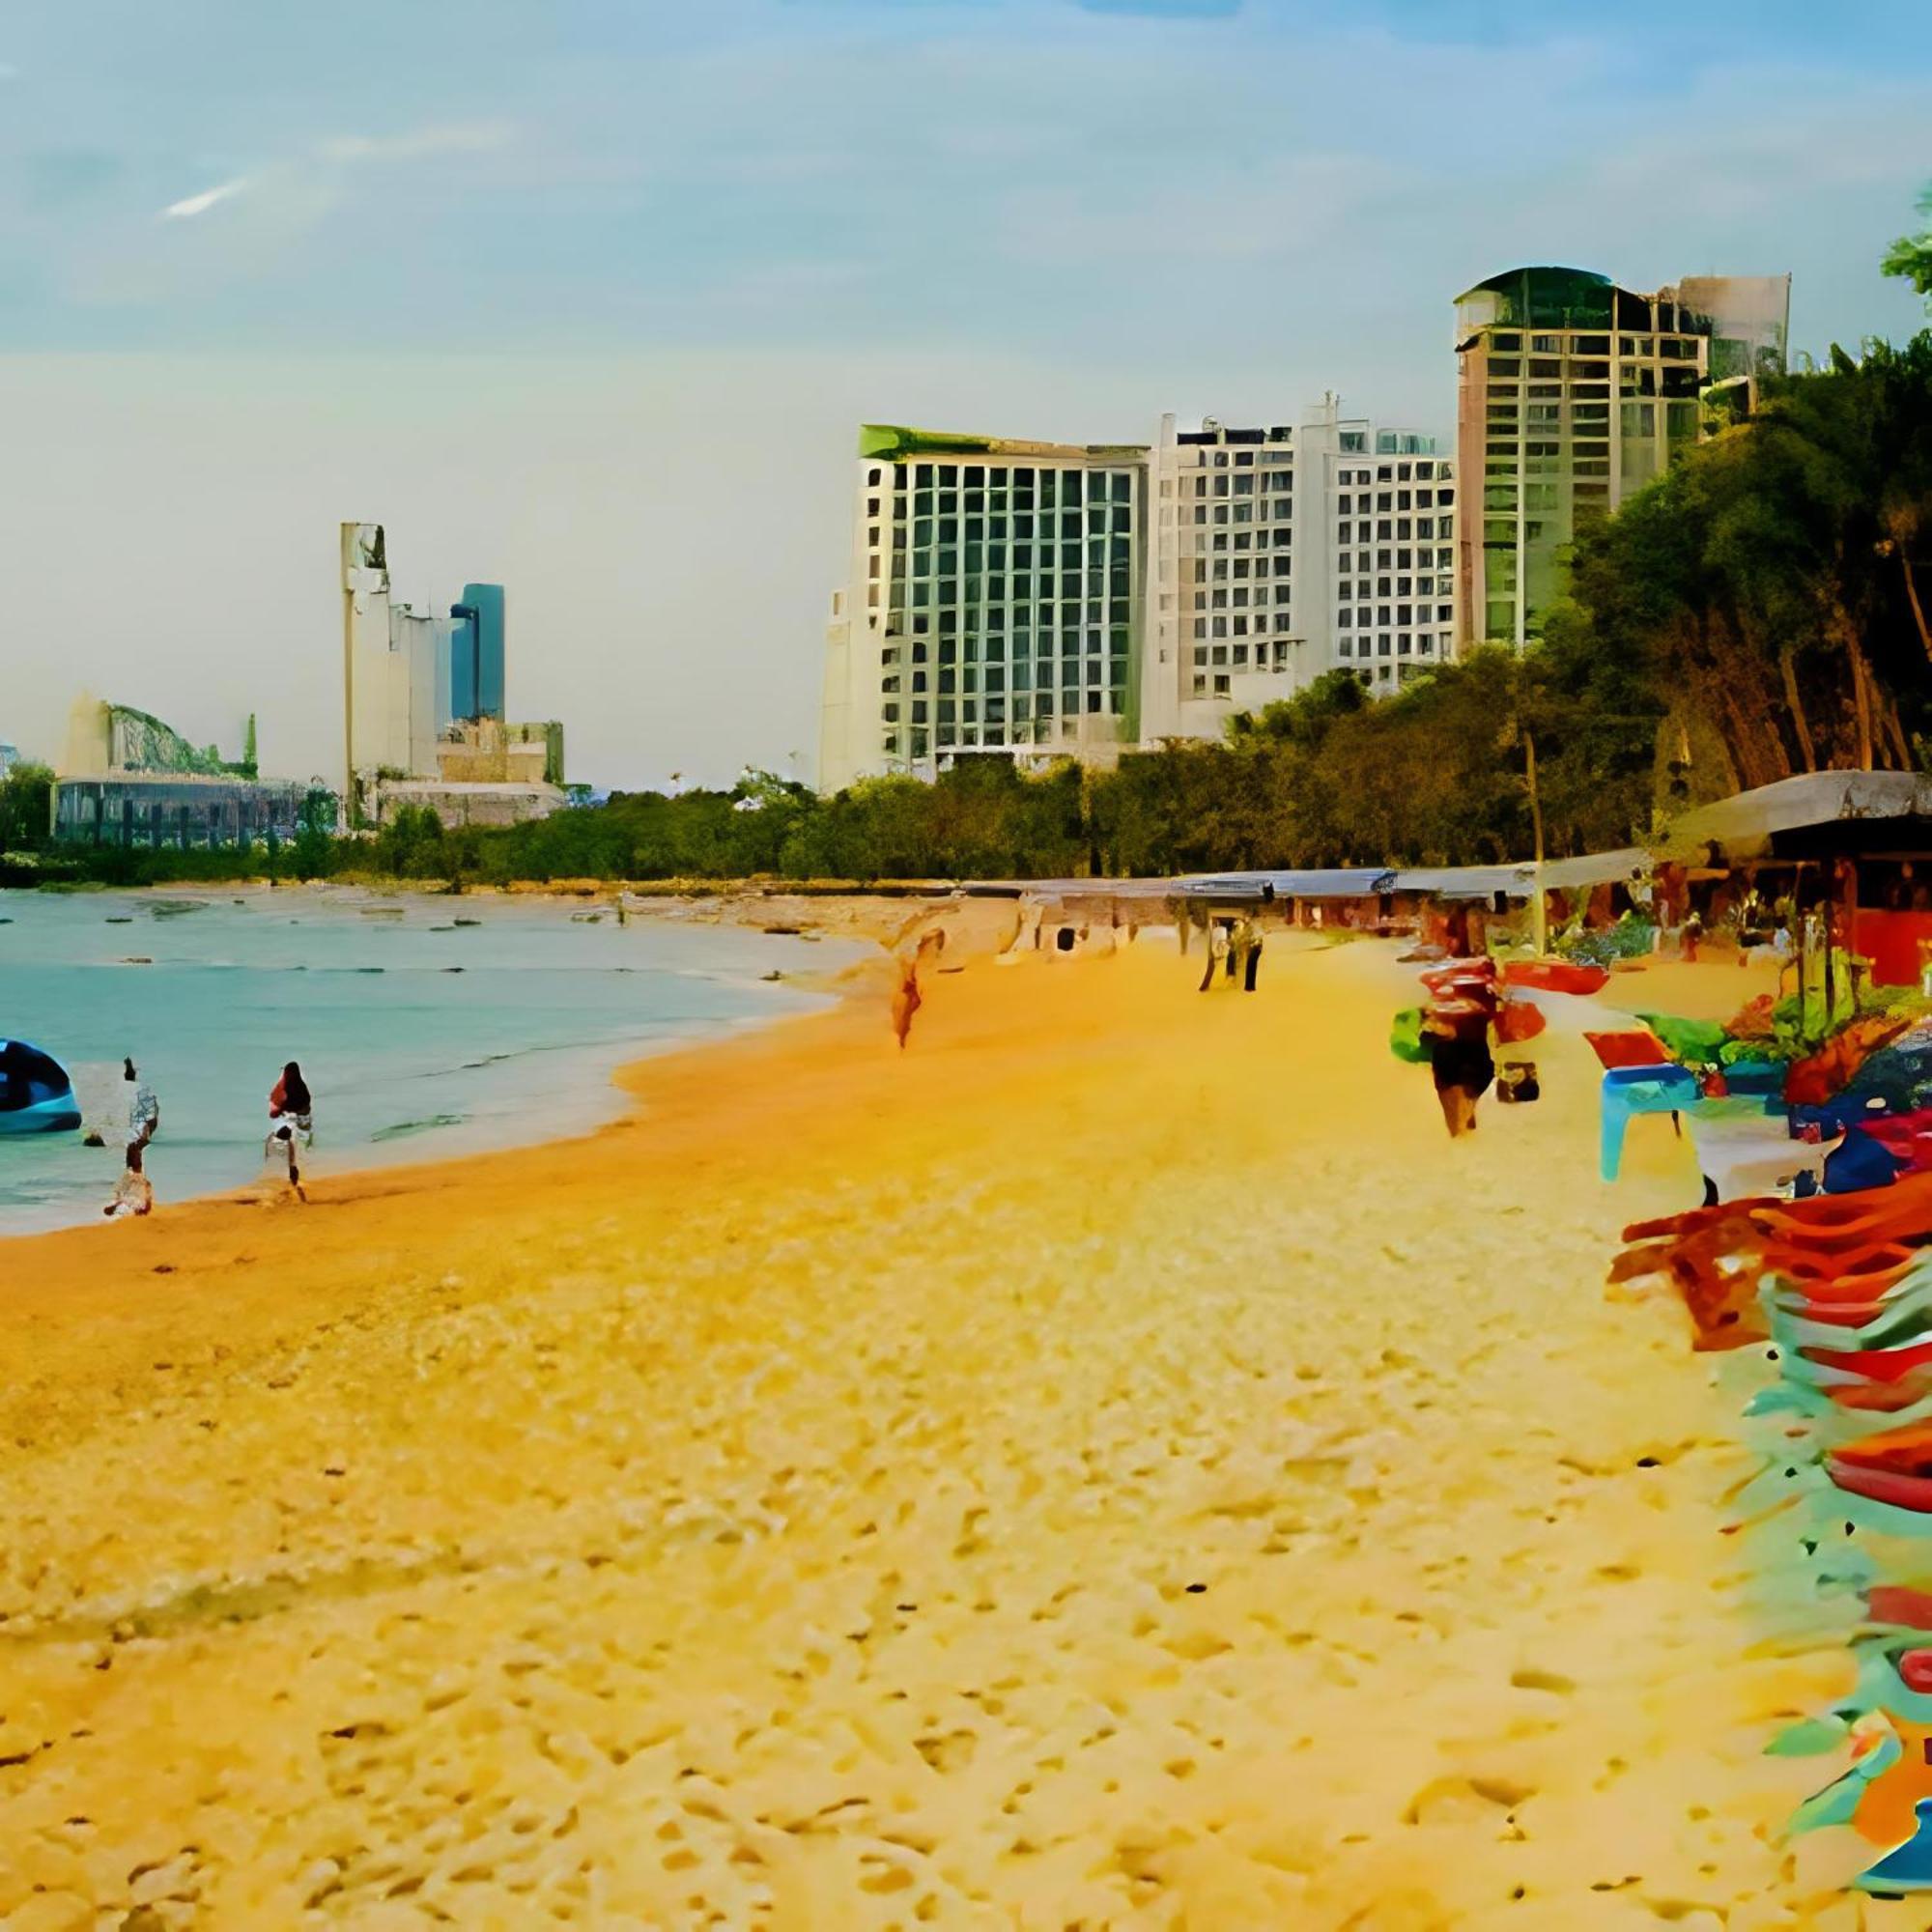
pixel 1756 611
pixel 1769 588
pixel 1433 775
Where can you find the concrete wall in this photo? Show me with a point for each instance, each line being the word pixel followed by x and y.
pixel 458 804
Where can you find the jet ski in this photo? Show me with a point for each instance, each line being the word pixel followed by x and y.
pixel 36 1094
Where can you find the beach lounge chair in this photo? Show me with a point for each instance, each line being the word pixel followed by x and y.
pixel 1556 976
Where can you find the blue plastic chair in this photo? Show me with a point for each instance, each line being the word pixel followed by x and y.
pixel 1640 1090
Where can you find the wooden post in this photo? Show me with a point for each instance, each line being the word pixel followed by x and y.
pixel 1538 913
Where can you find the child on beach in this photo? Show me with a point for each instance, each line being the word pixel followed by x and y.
pixel 133 1194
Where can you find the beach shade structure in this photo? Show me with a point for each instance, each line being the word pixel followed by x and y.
pixel 36 1094
pixel 1630 1091
pixel 1812 812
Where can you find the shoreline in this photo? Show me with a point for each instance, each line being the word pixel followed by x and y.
pixel 1116 1458
pixel 591 1097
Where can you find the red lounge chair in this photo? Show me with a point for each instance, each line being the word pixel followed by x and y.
pixel 1556 976
pixel 1627 1049
pixel 1896 1604
pixel 1875 1364
pixel 1893 1466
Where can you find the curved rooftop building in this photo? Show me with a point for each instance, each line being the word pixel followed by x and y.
pixel 1573 393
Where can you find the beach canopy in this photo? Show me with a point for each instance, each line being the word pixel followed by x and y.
pixel 1360 882
pixel 1596 868
pixel 1516 881
pixel 1825 805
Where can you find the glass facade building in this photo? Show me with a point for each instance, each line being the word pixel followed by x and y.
pixel 177 811
pixel 1574 393
pixel 477 642
pixel 1000 585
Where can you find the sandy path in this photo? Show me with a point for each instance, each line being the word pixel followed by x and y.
pixel 1119 1466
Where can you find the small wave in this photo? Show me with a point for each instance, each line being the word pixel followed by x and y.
pixel 404 1128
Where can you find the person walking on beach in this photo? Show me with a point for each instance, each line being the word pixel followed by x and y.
pixel 1457 1023
pixel 1461 1059
pixel 133 1192
pixel 144 1116
pixel 1218 954
pixel 906 999
pixel 290 1108
pixel 1247 948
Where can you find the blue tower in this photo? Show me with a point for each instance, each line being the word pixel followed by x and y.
pixel 477 646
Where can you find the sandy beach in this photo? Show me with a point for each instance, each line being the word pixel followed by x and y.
pixel 1117 1463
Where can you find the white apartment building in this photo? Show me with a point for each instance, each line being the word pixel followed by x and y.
pixel 1389 523
pixel 1278 554
pixel 1043 599
pixel 1222 622
pixel 993 604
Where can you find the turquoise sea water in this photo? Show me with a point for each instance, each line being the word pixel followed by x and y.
pixel 419 1037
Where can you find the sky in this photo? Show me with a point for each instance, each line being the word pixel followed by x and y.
pixel 589 296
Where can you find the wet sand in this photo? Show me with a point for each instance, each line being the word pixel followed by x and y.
pixel 1117 1464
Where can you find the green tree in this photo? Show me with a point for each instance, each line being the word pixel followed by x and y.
pixel 27 807
pixel 1910 257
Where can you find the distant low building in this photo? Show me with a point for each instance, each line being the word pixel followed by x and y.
pixel 9 756
pixel 486 751
pixel 130 779
pixel 186 810
pixel 488 773
pixel 457 803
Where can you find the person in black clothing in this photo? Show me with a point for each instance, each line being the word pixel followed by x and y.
pixel 292 1110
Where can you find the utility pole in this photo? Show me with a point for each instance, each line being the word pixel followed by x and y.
pixel 349 565
pixel 1539 916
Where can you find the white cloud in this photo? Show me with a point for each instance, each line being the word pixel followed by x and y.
pixel 187 208
pixel 307 189
pixel 415 145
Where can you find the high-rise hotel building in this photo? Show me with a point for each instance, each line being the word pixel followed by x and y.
pixel 994 604
pixel 1281 553
pixel 1035 598
pixel 1574 394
